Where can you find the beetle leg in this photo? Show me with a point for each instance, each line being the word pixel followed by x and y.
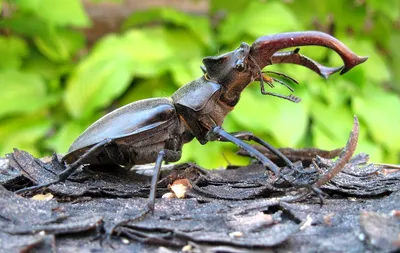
pixel 70 168
pixel 218 132
pixel 248 136
pixel 163 155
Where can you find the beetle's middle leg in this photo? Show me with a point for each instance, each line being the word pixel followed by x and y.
pixel 163 155
pixel 70 168
pixel 218 133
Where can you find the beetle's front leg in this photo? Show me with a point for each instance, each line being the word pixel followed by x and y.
pixel 248 136
pixel 218 133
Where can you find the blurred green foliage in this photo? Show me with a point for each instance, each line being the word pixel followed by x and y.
pixel 53 87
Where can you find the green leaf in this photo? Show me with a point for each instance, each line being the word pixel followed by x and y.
pixel 336 91
pixel 184 64
pixel 39 64
pixel 96 82
pixel 248 113
pixel 380 111
pixel 64 137
pixel 59 45
pixel 285 121
pixel 389 8
pixel 57 12
pixel 394 42
pixel 12 51
pixel 150 56
pixel 185 72
pixel 289 121
pixel 258 19
pixel 106 73
pixel 198 25
pixel 366 146
pixel 226 6
pixel 332 125
pixel 22 93
pixel 148 88
pixel 375 68
pixel 108 1
pixel 25 24
pixel 23 133
pixel 209 156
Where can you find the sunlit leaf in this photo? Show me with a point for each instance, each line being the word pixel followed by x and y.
pixel 394 45
pixel 12 51
pixel 197 25
pixel 185 72
pixel 96 82
pixel 284 120
pixel 375 68
pixel 389 8
pixel 59 45
pixel 258 19
pixel 147 88
pixel 380 111
pixel 374 151
pixel 25 24
pixel 209 156
pixel 288 121
pixel 107 71
pixel 64 137
pixel 150 57
pixel 23 133
pixel 37 63
pixel 225 6
pixel 22 93
pixel 332 125
pixel 58 12
pixel 100 1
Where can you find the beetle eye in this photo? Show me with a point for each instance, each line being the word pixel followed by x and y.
pixel 240 66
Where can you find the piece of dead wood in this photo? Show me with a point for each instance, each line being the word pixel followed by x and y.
pixel 226 210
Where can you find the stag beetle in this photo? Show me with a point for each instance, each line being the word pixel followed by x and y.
pixel 155 129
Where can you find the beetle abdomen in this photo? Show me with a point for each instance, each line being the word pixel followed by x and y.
pixel 130 126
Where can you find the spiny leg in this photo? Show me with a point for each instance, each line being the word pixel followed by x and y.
pixel 163 155
pixel 219 132
pixel 70 168
pixel 248 136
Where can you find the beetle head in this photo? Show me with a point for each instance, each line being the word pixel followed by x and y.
pixel 226 68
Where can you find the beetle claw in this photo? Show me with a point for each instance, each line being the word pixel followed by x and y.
pixel 265 51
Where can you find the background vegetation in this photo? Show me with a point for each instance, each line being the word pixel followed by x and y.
pixel 52 86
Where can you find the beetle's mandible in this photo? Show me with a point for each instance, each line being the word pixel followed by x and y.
pixel 154 130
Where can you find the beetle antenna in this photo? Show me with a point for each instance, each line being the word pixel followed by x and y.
pixel 269 80
pixel 260 73
pixel 283 83
pixel 281 74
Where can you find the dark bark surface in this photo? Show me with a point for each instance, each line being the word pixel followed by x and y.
pixel 232 210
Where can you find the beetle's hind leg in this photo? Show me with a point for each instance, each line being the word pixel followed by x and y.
pixel 70 168
pixel 220 134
